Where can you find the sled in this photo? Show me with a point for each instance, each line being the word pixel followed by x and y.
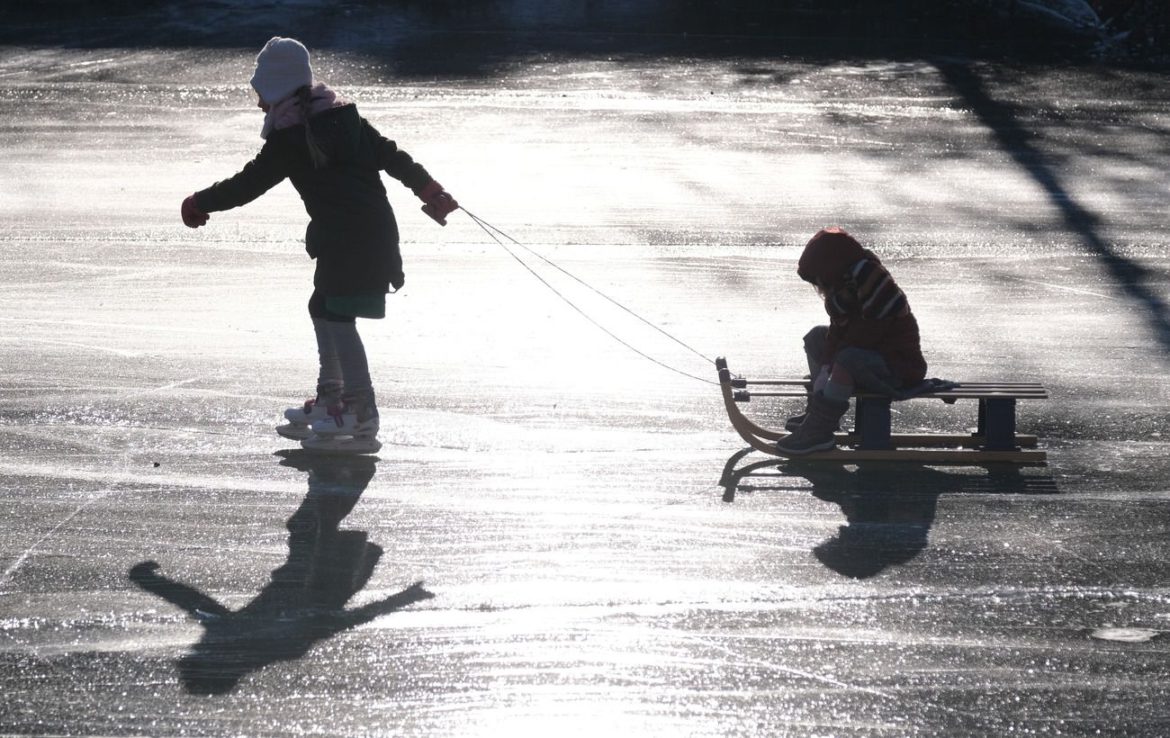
pixel 994 440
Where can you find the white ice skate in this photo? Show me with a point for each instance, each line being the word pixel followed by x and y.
pixel 300 419
pixel 341 432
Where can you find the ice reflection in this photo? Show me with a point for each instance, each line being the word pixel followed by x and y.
pixel 305 600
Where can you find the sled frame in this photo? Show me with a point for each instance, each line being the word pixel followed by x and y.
pixel 994 440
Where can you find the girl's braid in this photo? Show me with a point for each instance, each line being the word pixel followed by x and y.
pixel 316 155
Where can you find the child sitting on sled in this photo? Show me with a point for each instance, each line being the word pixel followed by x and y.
pixel 871 342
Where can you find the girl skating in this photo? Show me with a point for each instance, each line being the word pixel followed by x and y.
pixel 334 158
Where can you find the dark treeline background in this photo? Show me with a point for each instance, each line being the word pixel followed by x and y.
pixel 1128 31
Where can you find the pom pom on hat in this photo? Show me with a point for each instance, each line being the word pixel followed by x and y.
pixel 282 67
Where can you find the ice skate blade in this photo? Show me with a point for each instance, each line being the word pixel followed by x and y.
pixel 341 444
pixel 294 431
pixel 328 428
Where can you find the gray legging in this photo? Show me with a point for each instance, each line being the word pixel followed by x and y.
pixel 869 370
pixel 344 367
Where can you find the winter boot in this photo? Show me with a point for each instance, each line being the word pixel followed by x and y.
pixel 816 432
pixel 795 421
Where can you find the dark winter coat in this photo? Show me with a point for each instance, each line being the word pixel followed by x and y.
pixel 866 307
pixel 352 232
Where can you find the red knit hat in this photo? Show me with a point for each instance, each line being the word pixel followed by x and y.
pixel 827 255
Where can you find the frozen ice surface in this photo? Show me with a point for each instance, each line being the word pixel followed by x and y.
pixel 560 536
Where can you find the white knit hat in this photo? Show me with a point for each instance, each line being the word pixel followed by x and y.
pixel 282 67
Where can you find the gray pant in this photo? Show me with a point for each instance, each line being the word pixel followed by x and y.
pixel 870 371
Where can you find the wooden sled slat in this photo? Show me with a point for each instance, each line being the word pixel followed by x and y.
pixel 927 456
pixel 965 392
pixel 937 440
pixel 804 382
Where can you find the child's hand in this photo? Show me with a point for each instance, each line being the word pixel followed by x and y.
pixel 439 204
pixel 193 217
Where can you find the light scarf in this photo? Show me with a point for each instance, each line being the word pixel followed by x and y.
pixel 287 113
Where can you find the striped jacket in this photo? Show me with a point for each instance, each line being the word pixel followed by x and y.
pixel 868 310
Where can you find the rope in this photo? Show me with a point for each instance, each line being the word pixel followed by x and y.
pixel 491 231
pixel 485 225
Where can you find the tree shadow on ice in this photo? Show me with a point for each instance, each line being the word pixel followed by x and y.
pixel 1003 120
pixel 889 507
pixel 305 600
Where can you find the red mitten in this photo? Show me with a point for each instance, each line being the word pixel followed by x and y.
pixel 193 217
pixel 439 204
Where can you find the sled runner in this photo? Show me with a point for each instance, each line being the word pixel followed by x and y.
pixel 994 440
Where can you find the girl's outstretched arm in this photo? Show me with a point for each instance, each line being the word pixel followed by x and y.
pixel 438 204
pixel 396 162
pixel 267 170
